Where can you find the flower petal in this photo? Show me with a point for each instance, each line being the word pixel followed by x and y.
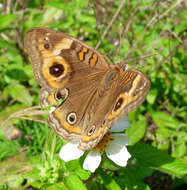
pixel 92 161
pixel 121 125
pixel 70 151
pixel 117 150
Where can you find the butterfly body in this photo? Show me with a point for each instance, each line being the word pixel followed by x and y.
pixel 95 94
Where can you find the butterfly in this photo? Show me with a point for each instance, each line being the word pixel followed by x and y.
pixel 95 95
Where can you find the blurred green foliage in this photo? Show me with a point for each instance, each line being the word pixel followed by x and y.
pixel 155 29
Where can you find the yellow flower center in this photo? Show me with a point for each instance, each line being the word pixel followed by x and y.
pixel 103 144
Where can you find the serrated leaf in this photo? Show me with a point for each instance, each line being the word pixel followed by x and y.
pixel 73 182
pixel 155 158
pixel 136 131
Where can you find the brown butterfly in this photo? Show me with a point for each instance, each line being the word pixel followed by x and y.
pixel 95 94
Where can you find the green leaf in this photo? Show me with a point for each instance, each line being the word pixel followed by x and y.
pixel 37 184
pixel 166 124
pixel 162 120
pixel 33 175
pixel 83 174
pixel 7 147
pixel 109 181
pixel 90 185
pixel 73 164
pixel 73 182
pixel 151 97
pixel 180 150
pixel 136 131
pixel 19 93
pixel 155 158
pixel 134 180
pixel 6 20
pixel 57 186
pixel 17 74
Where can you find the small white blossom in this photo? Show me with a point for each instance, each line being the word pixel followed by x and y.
pixel 117 151
pixel 92 161
pixel 70 151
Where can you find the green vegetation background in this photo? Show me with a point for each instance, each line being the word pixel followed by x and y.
pixel 147 34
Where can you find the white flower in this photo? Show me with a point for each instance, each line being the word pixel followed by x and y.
pixel 116 151
pixel 70 151
pixel 92 161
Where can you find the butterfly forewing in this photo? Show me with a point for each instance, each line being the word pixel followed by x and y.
pixel 131 91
